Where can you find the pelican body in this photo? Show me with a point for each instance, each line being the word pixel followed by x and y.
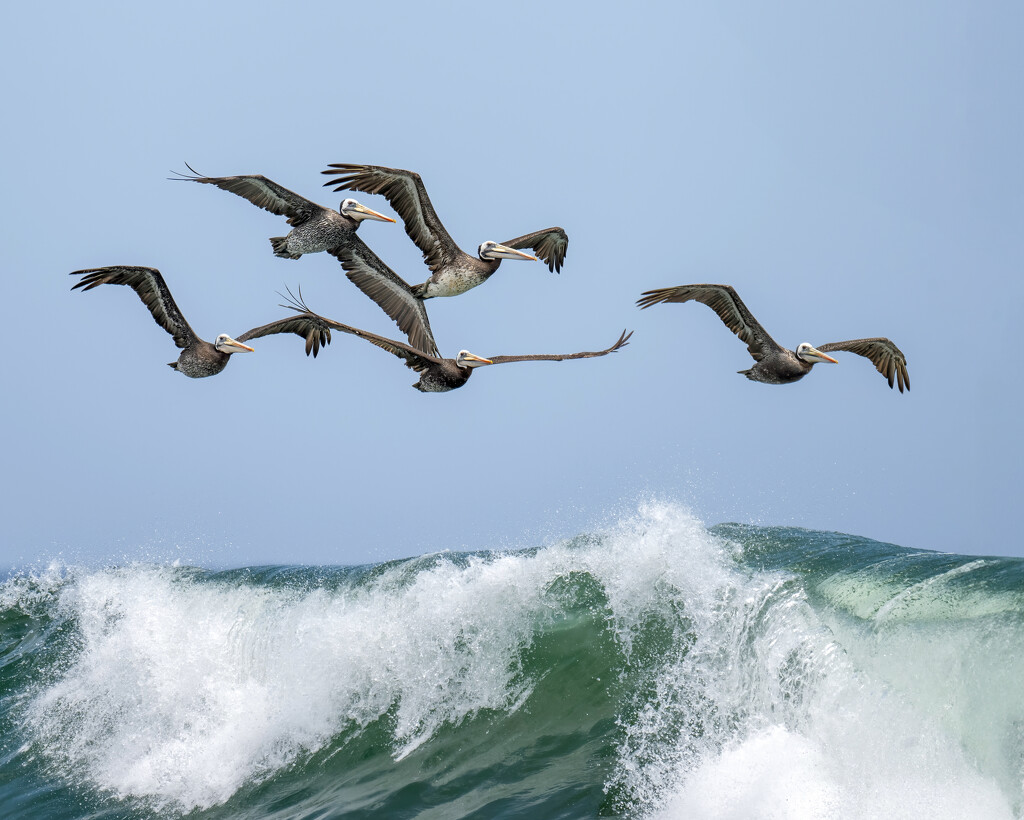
pixel 315 228
pixel 202 359
pixel 775 364
pixel 466 272
pixel 198 358
pixel 453 271
pixel 449 374
pixel 786 366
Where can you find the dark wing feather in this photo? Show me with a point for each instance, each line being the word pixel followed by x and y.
pixel 558 357
pixel 724 301
pixel 549 244
pixel 405 192
pixel 263 193
pixel 366 270
pixel 152 290
pixel 414 359
pixel 886 357
pixel 307 325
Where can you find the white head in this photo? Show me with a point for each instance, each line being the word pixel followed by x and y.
pixel 490 251
pixel 353 210
pixel 225 344
pixel 467 359
pixel 807 353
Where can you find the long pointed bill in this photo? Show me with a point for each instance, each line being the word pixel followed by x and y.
pixel 368 213
pixel 470 357
pixel 818 356
pixel 505 252
pixel 237 347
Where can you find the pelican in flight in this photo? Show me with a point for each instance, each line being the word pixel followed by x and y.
pixel 453 271
pixel 776 364
pixel 198 358
pixel 439 375
pixel 314 228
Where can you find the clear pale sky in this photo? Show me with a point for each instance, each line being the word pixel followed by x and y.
pixel 853 170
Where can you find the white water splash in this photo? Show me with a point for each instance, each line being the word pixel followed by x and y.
pixel 180 691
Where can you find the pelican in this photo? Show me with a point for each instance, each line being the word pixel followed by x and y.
pixel 776 364
pixel 453 271
pixel 314 228
pixel 439 375
pixel 198 358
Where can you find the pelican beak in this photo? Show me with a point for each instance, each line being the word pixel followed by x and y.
pixel 472 357
pixel 368 213
pixel 818 356
pixel 505 252
pixel 237 347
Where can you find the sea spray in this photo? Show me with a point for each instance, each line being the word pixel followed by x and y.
pixel 654 669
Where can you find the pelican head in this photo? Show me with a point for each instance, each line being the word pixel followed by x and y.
pixel 353 210
pixel 467 359
pixel 807 353
pixel 491 251
pixel 225 344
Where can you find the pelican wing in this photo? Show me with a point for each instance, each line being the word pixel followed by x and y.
pixel 152 290
pixel 366 270
pixel 263 193
pixel 886 357
pixel 307 325
pixel 549 244
pixel 724 301
pixel 405 192
pixel 558 357
pixel 414 359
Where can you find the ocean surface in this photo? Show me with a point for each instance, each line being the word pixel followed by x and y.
pixel 655 669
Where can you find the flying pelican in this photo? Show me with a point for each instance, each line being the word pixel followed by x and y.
pixel 199 358
pixel 776 364
pixel 314 228
pixel 453 271
pixel 439 375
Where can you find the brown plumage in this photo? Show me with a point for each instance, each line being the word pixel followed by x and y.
pixel 776 364
pixel 314 227
pixel 453 271
pixel 439 375
pixel 199 358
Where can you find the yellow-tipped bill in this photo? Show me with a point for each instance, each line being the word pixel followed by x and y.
pixel 814 353
pixel 369 213
pixel 495 250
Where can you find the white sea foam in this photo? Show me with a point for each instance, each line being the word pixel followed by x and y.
pixel 788 714
pixel 181 691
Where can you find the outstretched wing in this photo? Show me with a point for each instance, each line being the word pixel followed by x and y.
pixel 549 244
pixel 263 193
pixel 152 290
pixel 366 270
pixel 405 192
pixel 558 357
pixel 886 357
pixel 308 325
pixel 415 359
pixel 724 301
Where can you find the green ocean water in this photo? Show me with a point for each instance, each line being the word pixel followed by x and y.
pixel 655 669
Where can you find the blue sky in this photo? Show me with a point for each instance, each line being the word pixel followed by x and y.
pixel 851 170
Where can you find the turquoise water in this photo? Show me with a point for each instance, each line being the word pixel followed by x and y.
pixel 657 669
